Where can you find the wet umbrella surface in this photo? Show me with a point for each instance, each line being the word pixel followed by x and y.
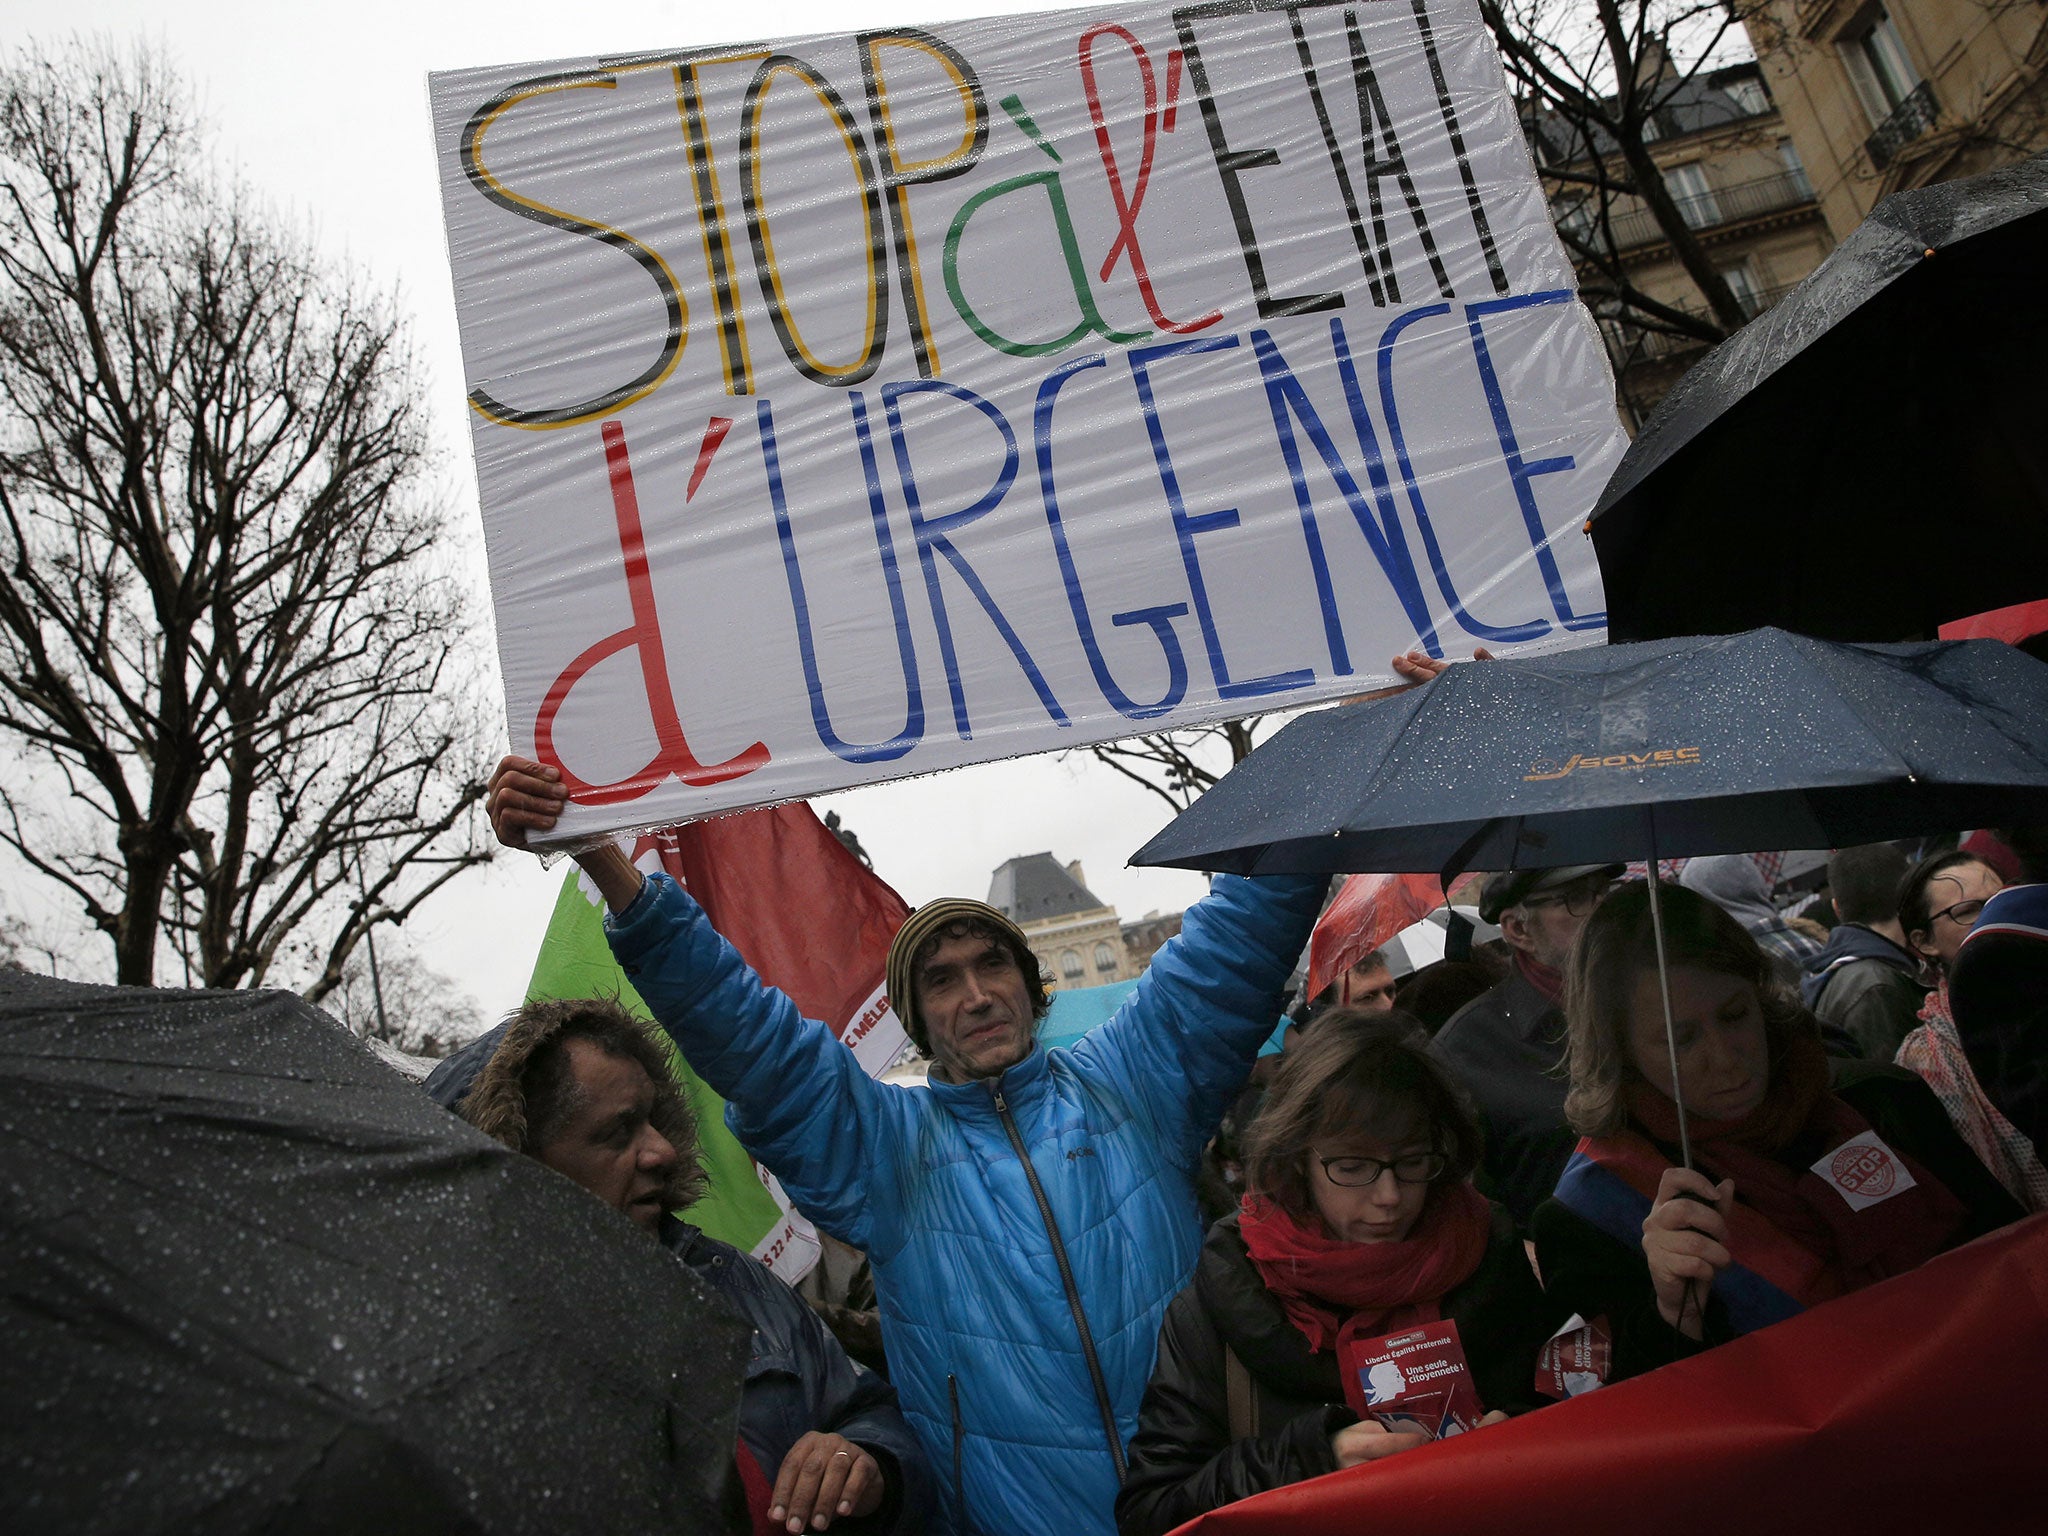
pixel 255 1281
pixel 1724 744
pixel 1866 460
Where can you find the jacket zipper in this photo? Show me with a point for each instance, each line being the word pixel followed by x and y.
pixel 960 1520
pixel 1059 1254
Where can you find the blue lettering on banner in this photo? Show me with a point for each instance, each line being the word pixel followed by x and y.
pixel 913 690
pixel 933 537
pixel 1187 526
pixel 1389 545
pixel 1502 633
pixel 1159 618
pixel 1520 471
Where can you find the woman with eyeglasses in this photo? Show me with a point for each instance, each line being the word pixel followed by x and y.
pixel 1938 906
pixel 1810 1178
pixel 1358 1223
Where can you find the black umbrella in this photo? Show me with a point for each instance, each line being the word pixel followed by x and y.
pixel 1723 744
pixel 254 1281
pixel 1867 460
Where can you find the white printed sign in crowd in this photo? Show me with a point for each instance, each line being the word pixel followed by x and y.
pixel 857 406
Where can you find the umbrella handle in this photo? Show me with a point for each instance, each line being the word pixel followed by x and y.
pixel 1664 992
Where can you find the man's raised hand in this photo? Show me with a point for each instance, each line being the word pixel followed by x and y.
pixel 1421 667
pixel 524 797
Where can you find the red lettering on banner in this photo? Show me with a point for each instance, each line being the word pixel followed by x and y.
pixel 859 1029
pixel 673 758
pixel 1128 204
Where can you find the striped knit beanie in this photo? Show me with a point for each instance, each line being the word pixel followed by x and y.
pixel 921 925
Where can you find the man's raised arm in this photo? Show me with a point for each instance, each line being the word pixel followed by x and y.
pixel 796 1098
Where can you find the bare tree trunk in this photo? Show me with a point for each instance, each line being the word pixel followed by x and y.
pixel 226 658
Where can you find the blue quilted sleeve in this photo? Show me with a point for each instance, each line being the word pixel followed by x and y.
pixel 1183 1044
pixel 795 1097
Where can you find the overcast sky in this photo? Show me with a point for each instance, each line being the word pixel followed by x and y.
pixel 323 109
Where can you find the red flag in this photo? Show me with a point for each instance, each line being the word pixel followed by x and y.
pixel 1368 911
pixel 1913 1405
pixel 808 916
pixel 2020 622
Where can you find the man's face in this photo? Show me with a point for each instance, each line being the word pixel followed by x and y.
pixel 1545 925
pixel 1369 985
pixel 976 1008
pixel 607 1142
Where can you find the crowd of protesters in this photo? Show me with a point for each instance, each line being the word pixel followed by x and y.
pixel 1066 1352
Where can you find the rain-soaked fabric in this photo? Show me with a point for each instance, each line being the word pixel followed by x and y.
pixel 1792 1429
pixel 1721 744
pixel 253 1280
pixel 1865 460
pixel 929 1182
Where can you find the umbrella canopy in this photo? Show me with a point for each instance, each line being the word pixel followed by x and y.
pixel 1866 460
pixel 1722 744
pixel 254 1281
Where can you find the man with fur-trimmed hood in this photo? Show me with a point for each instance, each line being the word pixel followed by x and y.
pixel 581 1087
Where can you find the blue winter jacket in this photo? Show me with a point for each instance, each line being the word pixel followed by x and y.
pixel 983 1347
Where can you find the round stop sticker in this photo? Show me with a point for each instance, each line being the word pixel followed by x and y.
pixel 1865 1170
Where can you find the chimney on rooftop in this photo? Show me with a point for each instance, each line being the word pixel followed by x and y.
pixel 1074 872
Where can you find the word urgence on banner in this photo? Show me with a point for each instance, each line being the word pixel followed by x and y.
pixel 1365 483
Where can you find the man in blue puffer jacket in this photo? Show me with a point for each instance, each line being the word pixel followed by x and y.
pixel 1030 1214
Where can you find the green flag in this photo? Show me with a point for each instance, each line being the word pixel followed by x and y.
pixel 575 961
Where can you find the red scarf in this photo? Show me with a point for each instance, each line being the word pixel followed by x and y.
pixel 1336 1291
pixel 1547 979
pixel 1839 1249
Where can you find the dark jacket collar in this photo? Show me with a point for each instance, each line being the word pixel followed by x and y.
pixel 1020 1085
pixel 1250 1320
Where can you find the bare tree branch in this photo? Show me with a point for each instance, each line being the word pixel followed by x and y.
pixel 222 623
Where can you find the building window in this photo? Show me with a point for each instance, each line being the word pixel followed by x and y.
pixel 1070 964
pixel 1795 167
pixel 1105 958
pixel 1573 212
pixel 1742 283
pixel 1695 198
pixel 1749 95
pixel 1878 66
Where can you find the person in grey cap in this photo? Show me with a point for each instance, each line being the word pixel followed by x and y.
pixel 1507 1046
pixel 1031 1212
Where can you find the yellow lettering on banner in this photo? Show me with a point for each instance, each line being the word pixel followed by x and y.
pixel 650 260
pixel 792 340
pixel 898 172
pixel 733 356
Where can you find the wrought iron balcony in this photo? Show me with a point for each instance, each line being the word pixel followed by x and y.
pixel 1628 343
pixel 1718 206
pixel 1905 123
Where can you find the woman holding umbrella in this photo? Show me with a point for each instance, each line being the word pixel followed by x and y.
pixel 1802 1191
pixel 1359 1223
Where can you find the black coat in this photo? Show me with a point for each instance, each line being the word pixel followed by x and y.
pixel 799 1378
pixel 1184 1461
pixel 1868 987
pixel 1507 1048
pixel 1588 1272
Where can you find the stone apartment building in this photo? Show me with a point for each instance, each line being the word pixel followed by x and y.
pixel 1741 184
pixel 1078 938
pixel 1881 95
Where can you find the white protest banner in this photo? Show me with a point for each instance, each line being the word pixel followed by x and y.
pixel 853 407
